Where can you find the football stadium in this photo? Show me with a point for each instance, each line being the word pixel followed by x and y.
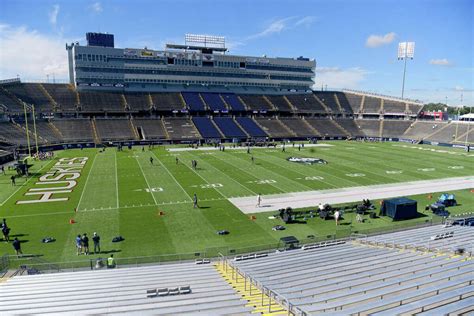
pixel 189 180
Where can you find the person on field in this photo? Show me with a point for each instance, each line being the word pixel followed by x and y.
pixel 151 160
pixel 5 231
pixel 259 200
pixel 111 262
pixel 96 240
pixel 195 201
pixel 177 160
pixel 79 244
pixel 17 246
pixel 85 244
pixel 337 216
pixel 253 159
pixel 12 178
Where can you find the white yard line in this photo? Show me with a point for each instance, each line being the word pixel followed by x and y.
pixel 116 179
pixel 85 185
pixel 172 176
pixel 146 180
pixel 24 184
pixel 353 194
pixel 239 148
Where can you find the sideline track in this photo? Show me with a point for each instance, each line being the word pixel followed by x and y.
pixel 352 194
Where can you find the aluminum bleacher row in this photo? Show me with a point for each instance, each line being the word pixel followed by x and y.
pixel 123 291
pixel 350 279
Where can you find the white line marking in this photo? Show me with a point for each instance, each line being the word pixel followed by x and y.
pixel 85 185
pixel 172 176
pixel 116 180
pixel 152 195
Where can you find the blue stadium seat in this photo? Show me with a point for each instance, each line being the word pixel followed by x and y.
pixel 229 127
pixel 193 100
pixel 233 101
pixel 205 127
pixel 251 127
pixel 214 101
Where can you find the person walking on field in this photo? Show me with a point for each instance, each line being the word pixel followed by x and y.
pixel 195 201
pixel 337 215
pixel 79 244
pixel 96 240
pixel 17 246
pixel 5 231
pixel 151 160
pixel 259 200
pixel 85 243
pixel 12 178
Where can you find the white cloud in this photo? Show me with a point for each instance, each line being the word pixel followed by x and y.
pixel 440 62
pixel 335 77
pixel 96 7
pixel 379 40
pixel 281 25
pixel 305 21
pixel 53 15
pixel 31 55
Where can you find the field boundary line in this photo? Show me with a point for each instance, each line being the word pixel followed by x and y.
pixel 85 184
pixel 116 180
pixel 171 175
pixel 146 180
pixel 26 182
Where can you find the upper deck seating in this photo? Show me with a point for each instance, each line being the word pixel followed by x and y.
pixel 256 102
pixel 372 105
pixel 94 101
pixel 193 101
pixel 305 102
pixel 168 101
pixel 329 100
pixel 64 95
pixel 280 103
pixel 138 101
pixel 32 93
pixel 355 101
pixel 233 101
pixel 390 106
pixel 214 101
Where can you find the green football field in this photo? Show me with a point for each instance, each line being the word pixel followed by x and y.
pixel 122 193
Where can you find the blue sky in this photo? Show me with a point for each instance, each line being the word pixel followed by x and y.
pixel 354 42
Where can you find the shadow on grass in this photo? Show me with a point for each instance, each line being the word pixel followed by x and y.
pixel 107 252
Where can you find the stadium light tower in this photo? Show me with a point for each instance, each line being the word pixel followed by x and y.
pixel 405 50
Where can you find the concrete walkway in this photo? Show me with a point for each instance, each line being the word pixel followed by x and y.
pixel 228 147
pixel 353 194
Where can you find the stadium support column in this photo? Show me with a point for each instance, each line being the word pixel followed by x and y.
pixel 27 131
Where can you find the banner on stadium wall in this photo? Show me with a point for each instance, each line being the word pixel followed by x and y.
pixel 146 53
pixel 207 57
pixel 130 52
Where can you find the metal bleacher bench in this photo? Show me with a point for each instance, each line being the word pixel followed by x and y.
pixel 442 236
pixel 169 291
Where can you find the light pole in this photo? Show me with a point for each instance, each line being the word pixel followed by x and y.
pixel 405 50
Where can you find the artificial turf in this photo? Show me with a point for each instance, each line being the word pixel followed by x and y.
pixel 122 193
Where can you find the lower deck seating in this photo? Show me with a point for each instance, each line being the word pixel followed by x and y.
pixel 450 133
pixel 394 128
pixel 251 127
pixel 299 127
pixel 371 128
pixel 181 129
pixel 274 128
pixel 151 128
pixel 114 129
pixel 421 129
pixel 326 128
pixel 205 127
pixel 74 129
pixel 229 128
pixel 350 126
pixel 123 291
pixel 45 132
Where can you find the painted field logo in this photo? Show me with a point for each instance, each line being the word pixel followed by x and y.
pixel 61 178
pixel 308 161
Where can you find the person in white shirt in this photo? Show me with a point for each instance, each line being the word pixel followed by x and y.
pixel 336 217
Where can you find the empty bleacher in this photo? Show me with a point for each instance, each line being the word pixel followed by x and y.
pixel 355 101
pixel 298 126
pixel 395 128
pixel 371 128
pixel 181 129
pixel 190 289
pixel 273 127
pixel 214 101
pixel 350 126
pixel 306 102
pixel 114 129
pixel 31 93
pixel 326 128
pixel 193 101
pixel 449 133
pixel 79 130
pixel 280 103
pixel 138 101
pixel 206 127
pixel 9 103
pixel 397 107
pixel 64 95
pixel 101 101
pixel 251 127
pixel 12 134
pixel 233 102
pixel 167 101
pixel 347 279
pixel 256 102
pixel 345 105
pixel 151 128
pixel 414 108
pixel 419 130
pixel 329 100
pixel 372 105
pixel 45 131
pixel 229 128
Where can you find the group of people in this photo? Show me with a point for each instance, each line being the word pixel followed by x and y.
pixel 82 244
pixel 6 237
pixel 44 155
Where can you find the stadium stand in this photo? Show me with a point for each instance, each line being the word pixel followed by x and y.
pixel 280 103
pixel 46 132
pixel 12 133
pixel 229 128
pixel 193 101
pixel 206 127
pixel 256 102
pixel 371 128
pixel 390 106
pixel 329 100
pixel 350 126
pixel 114 129
pixel 337 279
pixel 63 95
pixel 372 105
pixel 78 130
pixel 167 101
pixel 394 128
pixel 355 101
pixel 414 108
pixel 200 290
pixel 214 101
pixel 274 128
pixel 299 127
pixel 306 102
pixel 326 128
pixel 233 102
pixel 421 129
pixel 151 129
pixel 180 129
pixel 342 99
pixel 448 133
pixel 9 103
pixel 101 101
pixel 251 127
pixel 138 101
pixel 33 94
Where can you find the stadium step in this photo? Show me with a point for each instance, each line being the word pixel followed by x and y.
pixel 289 103
pixel 260 302
pixel 338 103
pixel 50 98
pixel 381 128
pixel 322 104
pixel 270 102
